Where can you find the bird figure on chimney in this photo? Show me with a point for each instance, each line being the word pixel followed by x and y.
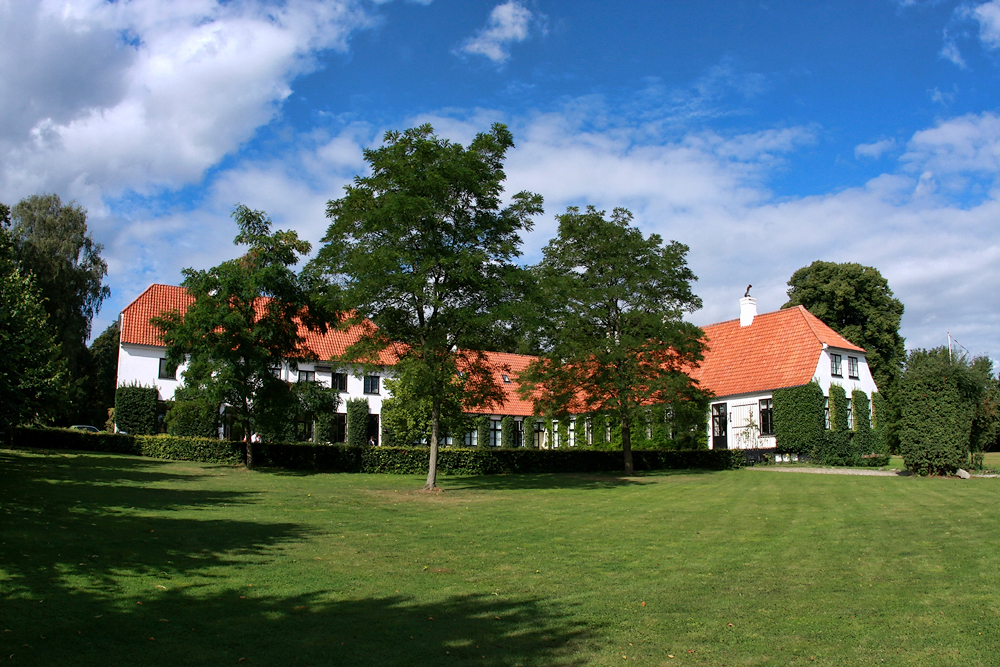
pixel 747 293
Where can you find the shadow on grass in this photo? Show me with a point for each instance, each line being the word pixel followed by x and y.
pixel 239 627
pixel 86 582
pixel 563 480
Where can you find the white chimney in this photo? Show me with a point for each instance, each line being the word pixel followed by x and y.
pixel 748 310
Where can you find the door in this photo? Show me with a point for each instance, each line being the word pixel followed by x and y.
pixel 719 422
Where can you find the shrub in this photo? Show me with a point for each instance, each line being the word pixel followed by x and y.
pixel 135 409
pixel 205 450
pixel 798 418
pixel 482 460
pixel 67 438
pixel 357 422
pixel 195 417
pixel 482 431
pixel 935 423
pixel 507 427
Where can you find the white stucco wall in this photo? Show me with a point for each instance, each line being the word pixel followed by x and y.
pixel 742 421
pixel 141 363
pixel 740 409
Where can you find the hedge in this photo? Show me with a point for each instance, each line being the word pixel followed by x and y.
pixel 798 418
pixel 400 460
pixel 205 450
pixel 135 409
pixel 483 460
pixel 357 422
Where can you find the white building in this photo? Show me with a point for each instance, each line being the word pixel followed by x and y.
pixel 748 358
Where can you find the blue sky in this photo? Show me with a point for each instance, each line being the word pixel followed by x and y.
pixel 764 135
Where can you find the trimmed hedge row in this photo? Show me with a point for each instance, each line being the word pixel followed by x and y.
pixel 398 460
pixel 68 438
pixel 204 450
pixel 483 461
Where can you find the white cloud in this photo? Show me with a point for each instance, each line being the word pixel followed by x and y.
pixel 155 93
pixel 874 150
pixel 967 144
pixel 509 22
pixel 988 17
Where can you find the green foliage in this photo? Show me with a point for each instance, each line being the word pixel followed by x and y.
pixel 194 414
pixel 871 449
pixel 856 302
pixel 53 245
pixel 422 248
pixel 357 422
pixel 610 329
pixel 67 438
pixel 101 376
pixel 206 450
pixel 939 398
pixel 406 416
pixel 482 431
pixel 798 419
pixel 507 427
pixel 484 460
pixel 244 321
pixel 135 409
pixel 32 374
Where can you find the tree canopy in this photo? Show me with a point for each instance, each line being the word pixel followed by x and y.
pixel 52 243
pixel 32 373
pixel 244 322
pixel 856 302
pixel 422 248
pixel 610 322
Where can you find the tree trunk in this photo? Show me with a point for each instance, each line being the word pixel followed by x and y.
pixel 248 439
pixel 435 433
pixel 627 446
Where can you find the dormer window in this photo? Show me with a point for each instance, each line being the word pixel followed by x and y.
pixel 835 366
pixel 852 368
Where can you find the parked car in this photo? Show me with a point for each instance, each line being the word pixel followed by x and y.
pixel 85 427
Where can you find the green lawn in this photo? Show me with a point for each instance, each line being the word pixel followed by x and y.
pixel 113 559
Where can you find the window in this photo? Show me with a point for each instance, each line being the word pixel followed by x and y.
pixel 518 433
pixel 538 434
pixel 307 376
pixel 555 434
pixel 826 413
pixel 167 372
pixel 572 433
pixel 373 430
pixel 338 431
pixel 371 384
pixel 470 439
pixel 276 371
pixel 852 368
pixel 835 366
pixel 850 416
pixel 495 440
pixel 766 417
pixel 506 378
pixel 339 381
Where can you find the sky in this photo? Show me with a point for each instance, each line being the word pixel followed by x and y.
pixel 763 135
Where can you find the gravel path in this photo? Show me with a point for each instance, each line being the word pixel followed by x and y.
pixel 836 471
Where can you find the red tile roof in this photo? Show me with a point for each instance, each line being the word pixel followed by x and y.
pixel 157 299
pixel 511 365
pixel 778 349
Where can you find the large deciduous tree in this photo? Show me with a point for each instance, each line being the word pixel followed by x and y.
pixel 244 322
pixel 856 302
pixel 53 244
pixel 423 249
pixel 610 322
pixel 32 373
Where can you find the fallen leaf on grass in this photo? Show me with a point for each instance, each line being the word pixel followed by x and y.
pixel 163 587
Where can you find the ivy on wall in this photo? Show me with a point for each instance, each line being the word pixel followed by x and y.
pixel 798 418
